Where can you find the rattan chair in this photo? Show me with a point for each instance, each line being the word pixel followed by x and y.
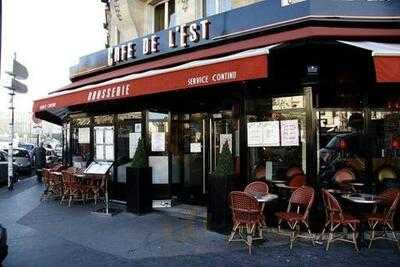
pixel 257 188
pixel 338 218
pixel 297 213
pixel 247 218
pixel 73 189
pixel 389 202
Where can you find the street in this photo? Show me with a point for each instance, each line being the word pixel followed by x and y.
pixel 50 234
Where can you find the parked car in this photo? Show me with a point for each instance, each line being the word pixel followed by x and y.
pixel 28 146
pixel 3 243
pixel 22 161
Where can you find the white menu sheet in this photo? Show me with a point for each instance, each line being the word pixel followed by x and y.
pixel 263 134
pixel 84 135
pixel 195 147
pixel 158 142
pixel 223 138
pixel 290 133
pixel 133 143
pixel 138 127
pixel 109 136
pixel 159 165
pixel 100 152
pixel 99 135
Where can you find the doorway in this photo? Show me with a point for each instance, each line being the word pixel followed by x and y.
pixel 197 140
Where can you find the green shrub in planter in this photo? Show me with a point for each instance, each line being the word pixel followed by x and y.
pixel 141 157
pixel 219 217
pixel 139 181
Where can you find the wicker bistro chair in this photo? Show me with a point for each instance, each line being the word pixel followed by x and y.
pixel 46 180
pixel 338 218
pixel 73 189
pixel 53 183
pixel 257 188
pixel 301 199
pixel 389 203
pixel 247 218
pixel 94 187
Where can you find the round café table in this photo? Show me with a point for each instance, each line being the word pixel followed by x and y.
pixel 362 199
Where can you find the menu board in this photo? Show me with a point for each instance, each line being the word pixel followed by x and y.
pixel 157 142
pixel 109 136
pixel 100 152
pixel 84 135
pixel 109 152
pixel 290 133
pixel 223 138
pixel 263 133
pixel 99 167
pixel 99 135
pixel 133 143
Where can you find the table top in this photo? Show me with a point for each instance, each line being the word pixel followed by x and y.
pixel 285 186
pixel 357 184
pixel 267 198
pixel 80 175
pixel 362 198
pixel 278 181
pixel 57 173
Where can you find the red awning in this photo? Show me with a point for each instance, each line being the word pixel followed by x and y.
pixel 386 59
pixel 247 65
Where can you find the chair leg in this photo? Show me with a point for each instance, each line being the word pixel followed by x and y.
pixel 249 237
pixel 372 235
pixel 329 239
pixel 279 225
pixel 354 235
pixel 235 227
pixel 70 200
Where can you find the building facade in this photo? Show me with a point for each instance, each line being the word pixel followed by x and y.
pixel 309 84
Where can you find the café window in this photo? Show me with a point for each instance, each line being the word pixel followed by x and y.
pixel 217 6
pixel 164 15
pixel 343 148
pixel 80 140
pixel 276 137
pixel 104 143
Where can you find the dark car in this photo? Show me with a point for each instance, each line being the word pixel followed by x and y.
pixel 22 161
pixel 3 243
pixel 29 147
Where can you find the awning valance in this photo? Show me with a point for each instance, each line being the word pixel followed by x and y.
pixel 386 58
pixel 247 65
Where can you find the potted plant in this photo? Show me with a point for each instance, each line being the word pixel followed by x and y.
pixel 220 184
pixel 139 181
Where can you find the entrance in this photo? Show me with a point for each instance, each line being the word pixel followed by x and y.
pixel 197 140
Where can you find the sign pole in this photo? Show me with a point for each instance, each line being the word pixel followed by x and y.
pixel 11 144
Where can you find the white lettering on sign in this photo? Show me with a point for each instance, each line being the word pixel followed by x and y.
pixel 212 78
pixel 47 106
pixel 178 37
pixel 108 93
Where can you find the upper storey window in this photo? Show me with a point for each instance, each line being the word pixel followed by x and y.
pixel 164 15
pixel 217 6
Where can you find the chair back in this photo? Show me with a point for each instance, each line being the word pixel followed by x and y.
pixel 333 207
pixel 245 207
pixel 344 175
pixel 292 171
pixel 302 197
pixel 390 198
pixel 297 180
pixel 387 173
pixel 257 188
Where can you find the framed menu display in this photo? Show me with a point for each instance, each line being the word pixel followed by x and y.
pixel 99 167
pixel 158 142
pixel 84 135
pixel 263 134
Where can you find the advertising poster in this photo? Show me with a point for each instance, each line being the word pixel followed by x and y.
pixel 223 138
pixel 195 147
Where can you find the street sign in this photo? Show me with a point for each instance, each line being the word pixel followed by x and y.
pixel 19 71
pixel 17 86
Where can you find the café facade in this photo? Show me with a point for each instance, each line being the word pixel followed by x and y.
pixel 314 85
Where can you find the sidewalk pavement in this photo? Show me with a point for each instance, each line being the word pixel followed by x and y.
pixel 50 234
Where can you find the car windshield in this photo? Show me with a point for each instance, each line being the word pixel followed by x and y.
pixel 20 153
pixel 28 147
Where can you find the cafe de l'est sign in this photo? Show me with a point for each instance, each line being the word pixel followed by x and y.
pixel 180 36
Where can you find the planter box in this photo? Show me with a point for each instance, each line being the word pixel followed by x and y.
pixel 139 198
pixel 219 215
